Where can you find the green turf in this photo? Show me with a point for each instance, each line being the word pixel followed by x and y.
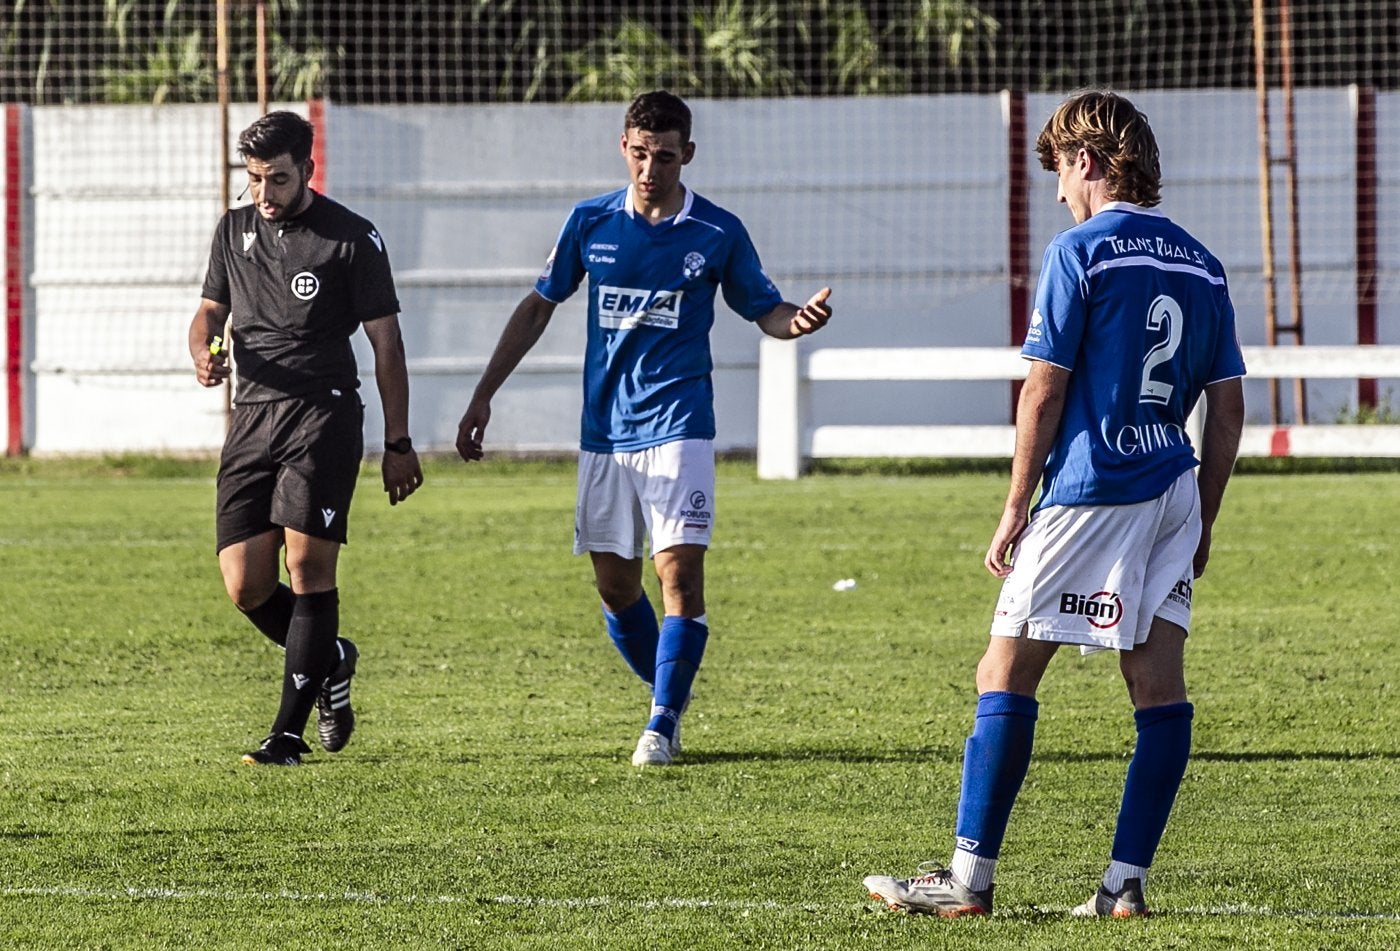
pixel 487 800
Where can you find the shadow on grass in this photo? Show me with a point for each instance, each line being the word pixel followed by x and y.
pixel 838 755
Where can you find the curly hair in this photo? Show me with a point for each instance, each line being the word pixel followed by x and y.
pixel 659 111
pixel 1116 134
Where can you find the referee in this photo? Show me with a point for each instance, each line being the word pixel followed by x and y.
pixel 299 274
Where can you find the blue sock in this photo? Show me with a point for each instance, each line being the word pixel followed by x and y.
pixel 1154 776
pixel 995 761
pixel 678 655
pixel 634 633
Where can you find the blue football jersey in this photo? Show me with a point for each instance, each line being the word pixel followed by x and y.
pixel 1139 312
pixel 651 304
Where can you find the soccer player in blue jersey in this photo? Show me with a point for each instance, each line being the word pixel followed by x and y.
pixel 1132 323
pixel 655 254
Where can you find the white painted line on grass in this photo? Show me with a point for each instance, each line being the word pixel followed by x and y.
pixel 599 901
pixel 372 898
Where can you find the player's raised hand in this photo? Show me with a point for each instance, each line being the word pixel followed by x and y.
pixel 471 431
pixel 813 315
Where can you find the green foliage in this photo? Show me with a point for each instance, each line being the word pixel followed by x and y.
pixel 633 59
pixel 731 52
pixel 1384 413
pixel 739 50
pixel 157 51
pixel 961 30
pixel 487 801
pixel 550 50
pixel 857 58
pixel 171 69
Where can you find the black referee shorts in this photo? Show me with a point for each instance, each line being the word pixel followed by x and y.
pixel 290 463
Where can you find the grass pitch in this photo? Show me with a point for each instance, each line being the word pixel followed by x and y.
pixel 487 800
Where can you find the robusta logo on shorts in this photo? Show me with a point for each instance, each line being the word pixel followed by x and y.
pixel 1102 609
pixel 305 285
pixel 697 516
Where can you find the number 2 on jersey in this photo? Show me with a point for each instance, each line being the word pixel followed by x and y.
pixel 1162 310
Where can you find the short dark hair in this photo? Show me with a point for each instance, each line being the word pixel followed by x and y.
pixel 659 111
pixel 277 133
pixel 1116 134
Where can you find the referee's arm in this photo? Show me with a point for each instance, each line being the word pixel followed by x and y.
pixel 210 368
pixel 402 472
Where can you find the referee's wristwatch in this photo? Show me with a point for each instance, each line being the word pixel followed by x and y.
pixel 402 445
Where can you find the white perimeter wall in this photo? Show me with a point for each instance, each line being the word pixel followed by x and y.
pixel 899 204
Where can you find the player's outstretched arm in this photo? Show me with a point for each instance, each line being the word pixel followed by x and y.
pixel 522 331
pixel 1038 415
pixel 1220 444
pixel 207 348
pixel 787 321
pixel 401 470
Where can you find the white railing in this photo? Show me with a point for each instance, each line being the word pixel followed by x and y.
pixel 786 441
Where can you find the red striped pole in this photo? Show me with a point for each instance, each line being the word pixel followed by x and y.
pixel 316 114
pixel 14 280
pixel 1018 224
pixel 1367 195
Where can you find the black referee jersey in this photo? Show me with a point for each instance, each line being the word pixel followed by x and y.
pixel 298 290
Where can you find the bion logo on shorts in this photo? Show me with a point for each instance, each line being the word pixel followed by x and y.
pixel 1102 609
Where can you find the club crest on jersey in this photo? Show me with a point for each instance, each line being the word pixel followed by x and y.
pixel 378 241
pixel 248 238
pixel 622 308
pixel 305 285
pixel 694 264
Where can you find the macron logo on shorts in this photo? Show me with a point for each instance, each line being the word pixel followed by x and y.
pixel 328 515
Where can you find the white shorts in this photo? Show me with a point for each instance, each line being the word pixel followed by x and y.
pixel 666 492
pixel 1097 575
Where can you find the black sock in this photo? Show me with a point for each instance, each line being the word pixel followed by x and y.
pixel 311 655
pixel 274 615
